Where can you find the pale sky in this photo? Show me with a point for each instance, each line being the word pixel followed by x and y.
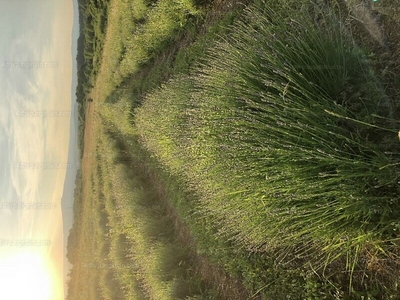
pixel 35 110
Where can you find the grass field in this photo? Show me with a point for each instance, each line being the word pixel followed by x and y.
pixel 137 31
pixel 264 115
pixel 242 152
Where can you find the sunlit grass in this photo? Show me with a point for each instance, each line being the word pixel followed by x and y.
pixel 281 150
pixel 286 136
pixel 144 256
pixel 136 30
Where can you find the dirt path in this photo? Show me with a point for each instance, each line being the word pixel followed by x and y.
pixel 89 147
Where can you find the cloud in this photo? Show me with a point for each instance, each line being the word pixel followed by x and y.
pixel 27 84
pixel 33 34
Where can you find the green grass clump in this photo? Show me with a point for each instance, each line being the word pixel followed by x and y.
pixel 137 32
pixel 286 136
pixel 164 19
pixel 145 256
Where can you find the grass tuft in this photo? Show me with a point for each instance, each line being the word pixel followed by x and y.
pixel 287 137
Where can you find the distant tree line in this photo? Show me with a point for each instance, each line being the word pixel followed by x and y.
pixel 92 24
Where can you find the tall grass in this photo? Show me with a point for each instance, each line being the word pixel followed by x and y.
pixel 92 273
pixel 137 30
pixel 142 235
pixel 286 136
pixel 164 19
pixel 121 111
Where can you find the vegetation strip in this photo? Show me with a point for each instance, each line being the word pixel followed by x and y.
pixel 305 129
pixel 277 150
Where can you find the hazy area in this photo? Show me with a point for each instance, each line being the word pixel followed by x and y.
pixel 36 114
pixel 67 200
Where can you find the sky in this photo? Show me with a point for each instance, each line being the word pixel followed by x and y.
pixel 35 111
